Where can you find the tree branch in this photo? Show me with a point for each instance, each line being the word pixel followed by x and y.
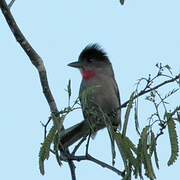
pixel 78 145
pixel 36 60
pixel 11 3
pixel 101 163
pixel 151 89
pixel 72 169
pixel 45 126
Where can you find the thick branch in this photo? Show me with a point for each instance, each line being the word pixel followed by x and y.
pixel 151 89
pixel 33 55
pixel 36 60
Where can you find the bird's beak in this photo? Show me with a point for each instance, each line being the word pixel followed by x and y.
pixel 76 64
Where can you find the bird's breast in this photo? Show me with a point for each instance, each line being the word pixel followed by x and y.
pixel 101 91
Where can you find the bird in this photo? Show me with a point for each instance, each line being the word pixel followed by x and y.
pixel 98 93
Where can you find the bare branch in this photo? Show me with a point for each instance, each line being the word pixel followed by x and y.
pixel 45 126
pixel 155 87
pixel 11 3
pixel 88 141
pixel 78 145
pixel 101 163
pixel 36 60
pixel 72 169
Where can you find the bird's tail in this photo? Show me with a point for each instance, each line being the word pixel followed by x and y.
pixel 83 129
pixel 74 133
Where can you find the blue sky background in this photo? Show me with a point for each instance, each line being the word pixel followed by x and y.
pixel 136 36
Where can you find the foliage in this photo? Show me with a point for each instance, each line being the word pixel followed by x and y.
pixel 53 137
pixel 173 139
pixel 139 159
pixel 45 149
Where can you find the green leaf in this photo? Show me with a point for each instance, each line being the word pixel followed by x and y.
pixel 69 91
pixel 168 68
pixel 139 160
pixel 131 145
pixel 146 156
pixel 45 149
pixel 56 148
pixel 136 116
pixel 148 167
pixel 129 107
pixel 125 146
pixel 128 152
pixel 153 149
pixel 119 141
pixel 152 143
pixel 58 122
pixel 156 158
pixel 69 88
pixel 110 131
pixel 173 139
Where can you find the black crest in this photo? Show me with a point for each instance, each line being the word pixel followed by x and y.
pixel 93 51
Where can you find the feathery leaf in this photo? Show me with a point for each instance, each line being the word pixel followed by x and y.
pixel 129 107
pixel 120 144
pixel 125 146
pixel 136 116
pixel 173 139
pixel 153 149
pixel 45 149
pixel 56 148
pixel 146 156
pixel 139 160
pixel 69 91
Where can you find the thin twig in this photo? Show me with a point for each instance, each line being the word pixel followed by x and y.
pixel 67 158
pixel 11 3
pixel 163 127
pixel 78 145
pixel 161 101
pixel 155 87
pixel 101 163
pixel 87 145
pixel 45 126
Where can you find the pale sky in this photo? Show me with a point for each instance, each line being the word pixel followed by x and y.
pixel 135 36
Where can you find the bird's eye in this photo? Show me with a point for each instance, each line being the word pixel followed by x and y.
pixel 90 60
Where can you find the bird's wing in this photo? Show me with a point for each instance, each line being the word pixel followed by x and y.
pixel 118 96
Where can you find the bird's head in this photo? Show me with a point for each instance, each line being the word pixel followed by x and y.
pixel 92 60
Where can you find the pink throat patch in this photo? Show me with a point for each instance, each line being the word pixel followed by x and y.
pixel 87 75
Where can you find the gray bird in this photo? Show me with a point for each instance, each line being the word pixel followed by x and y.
pixel 99 95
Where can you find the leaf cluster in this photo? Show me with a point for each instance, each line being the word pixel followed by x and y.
pixel 140 158
pixel 53 137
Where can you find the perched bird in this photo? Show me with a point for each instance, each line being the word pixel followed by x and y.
pixel 99 95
